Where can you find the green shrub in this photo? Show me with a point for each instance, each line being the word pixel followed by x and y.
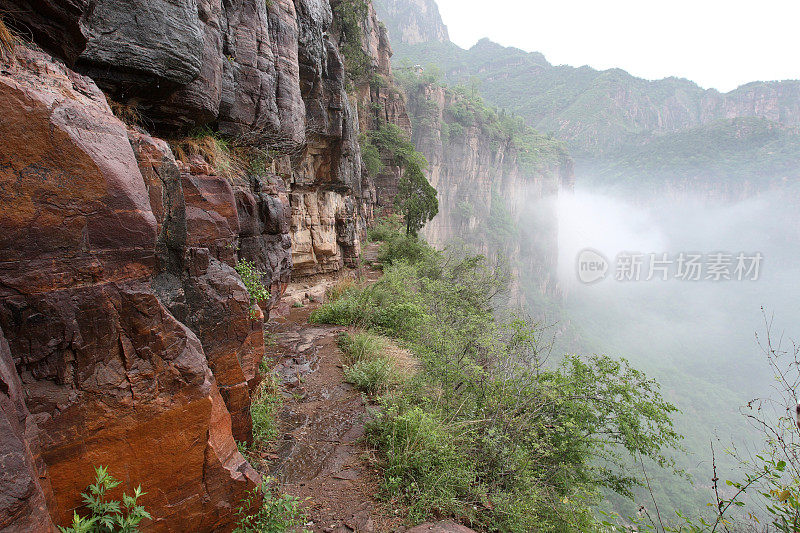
pixel 416 199
pixel 350 16
pixel 484 431
pixel 347 310
pixel 264 408
pixel 252 278
pixel 385 229
pixel 400 248
pixel 370 156
pixel 361 346
pixel 394 144
pixel 273 513
pixel 422 463
pixel 108 516
pixel 371 376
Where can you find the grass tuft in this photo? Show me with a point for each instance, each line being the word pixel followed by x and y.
pixel 8 43
pixel 361 346
pixel 128 113
pixel 264 407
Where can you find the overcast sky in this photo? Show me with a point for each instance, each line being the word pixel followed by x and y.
pixel 716 43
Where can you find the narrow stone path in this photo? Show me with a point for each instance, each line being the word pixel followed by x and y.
pixel 321 457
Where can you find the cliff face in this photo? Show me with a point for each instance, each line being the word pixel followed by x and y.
pixel 127 338
pixel 624 132
pixel 488 197
pixel 380 100
pixel 413 21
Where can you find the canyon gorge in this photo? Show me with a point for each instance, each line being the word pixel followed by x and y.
pixel 156 153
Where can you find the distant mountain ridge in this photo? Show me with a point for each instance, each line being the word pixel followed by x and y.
pixel 603 116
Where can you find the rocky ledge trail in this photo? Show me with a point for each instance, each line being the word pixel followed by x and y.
pixel 320 456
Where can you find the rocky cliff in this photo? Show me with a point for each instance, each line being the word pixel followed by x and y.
pixel 497 181
pixel 149 147
pixel 623 131
pixel 597 111
pixel 413 21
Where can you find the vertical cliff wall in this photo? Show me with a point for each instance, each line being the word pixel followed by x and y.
pixel 413 21
pixel 128 338
pixel 496 180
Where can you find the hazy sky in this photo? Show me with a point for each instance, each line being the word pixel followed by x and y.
pixel 716 43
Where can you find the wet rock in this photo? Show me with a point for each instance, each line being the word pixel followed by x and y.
pixel 441 527
pixel 134 46
pixel 212 220
pixel 196 211
pixel 263 210
pixel 249 78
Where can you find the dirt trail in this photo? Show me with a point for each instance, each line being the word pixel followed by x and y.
pixel 320 455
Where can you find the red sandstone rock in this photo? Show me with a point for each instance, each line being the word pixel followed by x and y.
pixel 24 485
pixel 109 375
pixel 200 289
pixel 211 217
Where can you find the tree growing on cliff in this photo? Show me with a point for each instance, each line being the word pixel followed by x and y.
pixel 349 16
pixel 416 199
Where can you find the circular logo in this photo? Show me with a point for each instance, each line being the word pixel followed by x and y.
pixel 592 266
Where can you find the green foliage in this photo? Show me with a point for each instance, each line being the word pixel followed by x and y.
pixel 486 432
pixel 465 210
pixel 361 346
pixel 416 198
pixel 396 147
pixel 368 368
pixel 422 464
pixel 273 513
pixel 385 229
pixel 252 278
pixel 108 516
pixel 370 156
pixel 350 16
pixel 404 248
pixel 371 376
pixel 264 407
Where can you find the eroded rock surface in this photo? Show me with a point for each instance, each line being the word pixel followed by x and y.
pixel 109 375
pixel 24 485
pixel 482 184
pixel 132 340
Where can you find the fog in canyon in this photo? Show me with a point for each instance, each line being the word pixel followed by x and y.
pixel 700 339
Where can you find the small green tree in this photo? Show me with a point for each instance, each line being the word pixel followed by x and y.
pixel 350 16
pixel 370 156
pixel 416 199
pixel 108 516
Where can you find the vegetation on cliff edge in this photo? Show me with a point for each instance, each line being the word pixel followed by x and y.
pixel 486 431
